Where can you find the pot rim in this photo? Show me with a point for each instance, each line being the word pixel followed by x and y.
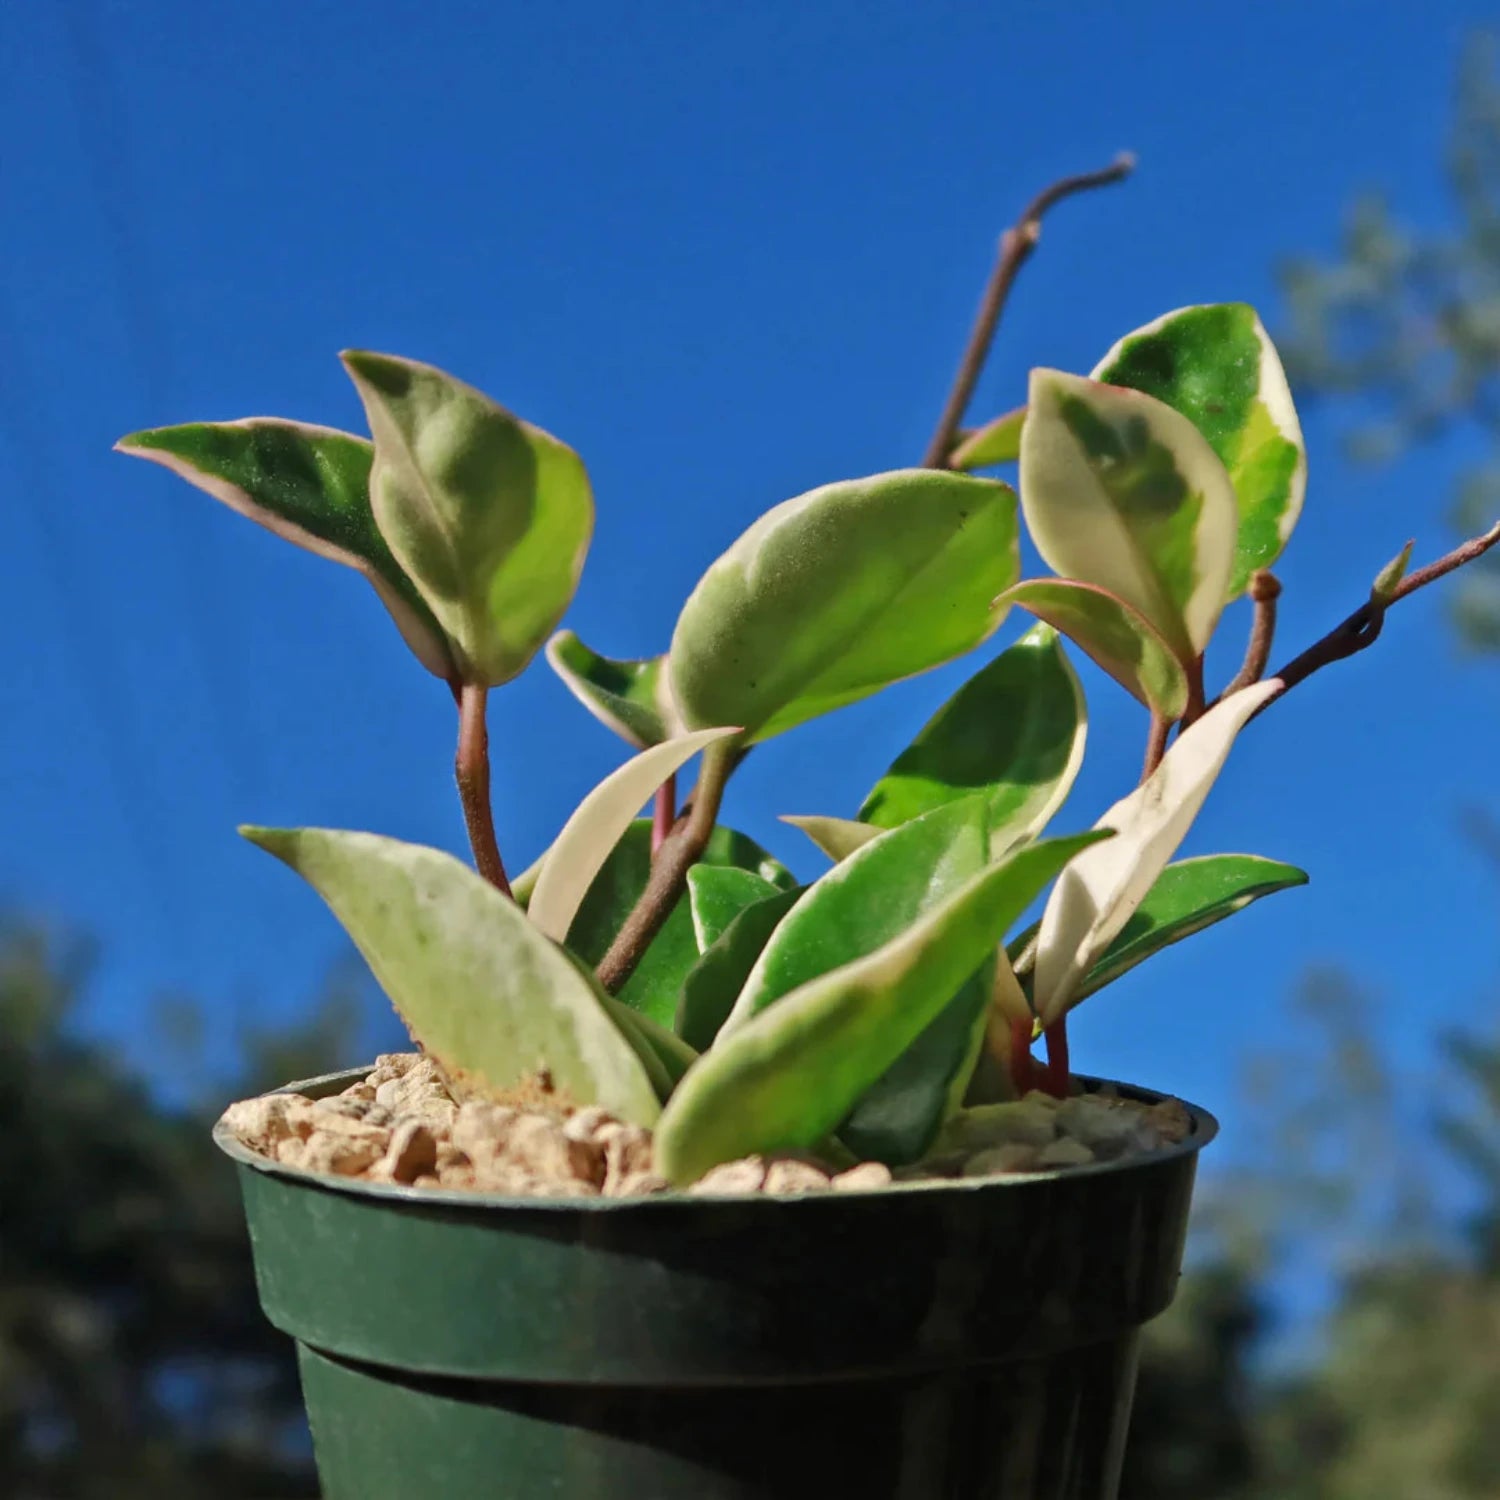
pixel 1205 1128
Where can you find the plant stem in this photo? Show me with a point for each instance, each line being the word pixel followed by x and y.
pixel 472 770
pixel 1362 629
pixel 1058 1074
pixel 1265 590
pixel 677 855
pixel 1023 1068
pixel 1156 742
pixel 664 815
pixel 1016 246
pixel 1195 705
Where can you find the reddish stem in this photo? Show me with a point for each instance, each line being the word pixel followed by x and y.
pixel 1023 1068
pixel 1058 1076
pixel 664 815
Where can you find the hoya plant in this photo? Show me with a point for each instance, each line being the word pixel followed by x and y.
pixel 665 966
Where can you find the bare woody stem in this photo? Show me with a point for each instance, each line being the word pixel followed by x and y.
pixel 1156 742
pixel 664 813
pixel 1362 629
pixel 682 849
pixel 1265 590
pixel 472 770
pixel 1016 246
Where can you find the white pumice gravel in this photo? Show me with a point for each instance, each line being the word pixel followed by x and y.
pixel 402 1125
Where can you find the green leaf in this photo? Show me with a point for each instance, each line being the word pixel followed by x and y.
pixel 599 824
pixel 1388 579
pixel 899 1116
pixel 481 989
pixel 1217 366
pixel 489 516
pixel 1014 731
pixel 1187 897
pixel 1101 890
pixel 1122 492
pixel 654 987
pixel 838 838
pixel 664 1055
pixel 717 894
pixel 867 899
pixel 713 984
pixel 857 907
pixel 997 442
pixel 631 697
pixel 1121 641
pixel 310 485
pixel 836 594
pixel 790 1076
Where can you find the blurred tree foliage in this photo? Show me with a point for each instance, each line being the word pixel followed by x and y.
pixel 1404 326
pixel 134 1362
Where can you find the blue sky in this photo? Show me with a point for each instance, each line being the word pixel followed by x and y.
pixel 728 252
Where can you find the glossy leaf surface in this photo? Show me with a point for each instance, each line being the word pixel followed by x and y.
pixel 489 516
pixel 835 594
pixel 865 901
pixel 1187 897
pixel 1098 894
pixel 1123 492
pixel 631 697
pixel 1120 640
pixel 713 984
pixel 1217 366
pixel 717 894
pixel 309 485
pixel 1014 733
pixel 790 1076
pixel 481 989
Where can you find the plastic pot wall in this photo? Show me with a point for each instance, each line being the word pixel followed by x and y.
pixel 950 1341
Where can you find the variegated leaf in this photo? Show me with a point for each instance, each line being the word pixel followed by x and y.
pixel 1217 366
pixel 1100 891
pixel 309 485
pixel 632 696
pixel 1122 492
pixel 1118 638
pixel 489 516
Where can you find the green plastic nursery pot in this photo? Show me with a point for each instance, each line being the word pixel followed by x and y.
pixel 960 1340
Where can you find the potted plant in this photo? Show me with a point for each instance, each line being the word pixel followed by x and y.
pixel 703 1182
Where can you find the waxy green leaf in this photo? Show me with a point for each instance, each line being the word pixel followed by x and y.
pixel 717 894
pixel 1123 492
pixel 867 899
pixel 481 989
pixel 857 907
pixel 1217 366
pixel 631 697
pixel 656 984
pixel 997 442
pixel 713 984
pixel 1187 897
pixel 833 595
pixel 1014 732
pixel 489 516
pixel 790 1076
pixel 1099 893
pixel 838 838
pixel 1120 640
pixel 310 485
pixel 599 823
